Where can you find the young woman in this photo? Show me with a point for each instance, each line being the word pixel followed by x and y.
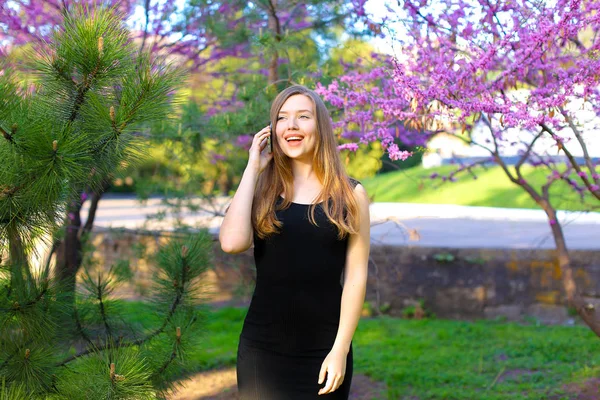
pixel 309 223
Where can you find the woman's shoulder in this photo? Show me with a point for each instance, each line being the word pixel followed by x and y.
pixel 353 182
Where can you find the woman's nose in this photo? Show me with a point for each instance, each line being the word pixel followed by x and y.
pixel 292 123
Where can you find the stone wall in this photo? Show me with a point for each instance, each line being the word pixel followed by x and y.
pixel 452 283
pixel 477 283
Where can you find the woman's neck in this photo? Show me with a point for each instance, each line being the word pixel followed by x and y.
pixel 303 173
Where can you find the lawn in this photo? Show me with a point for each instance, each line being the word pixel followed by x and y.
pixel 435 359
pixel 491 189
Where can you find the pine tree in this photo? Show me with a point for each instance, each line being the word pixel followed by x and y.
pixel 81 119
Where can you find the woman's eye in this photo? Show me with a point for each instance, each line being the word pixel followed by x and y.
pixel 302 116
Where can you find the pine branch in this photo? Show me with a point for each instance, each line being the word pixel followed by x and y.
pixel 83 89
pixel 168 361
pixel 5 363
pixel 118 130
pixel 55 245
pixel 176 303
pixel 79 327
pixel 14 353
pixel 7 135
pixel 99 293
pixel 17 306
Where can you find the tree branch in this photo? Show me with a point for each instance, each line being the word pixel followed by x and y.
pixel 30 303
pixel 586 154
pixel 147 16
pixel 99 295
pixel 7 135
pixel 572 160
pixel 79 327
pixel 96 196
pixel 528 151
pixel 176 302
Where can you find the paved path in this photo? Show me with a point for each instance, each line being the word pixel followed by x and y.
pixel 427 225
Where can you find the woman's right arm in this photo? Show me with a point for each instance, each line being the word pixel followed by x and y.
pixel 236 231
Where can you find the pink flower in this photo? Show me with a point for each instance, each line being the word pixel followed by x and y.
pixel 348 146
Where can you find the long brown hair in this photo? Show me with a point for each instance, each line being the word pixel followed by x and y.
pixel 337 195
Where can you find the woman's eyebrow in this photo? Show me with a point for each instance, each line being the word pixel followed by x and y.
pixel 299 111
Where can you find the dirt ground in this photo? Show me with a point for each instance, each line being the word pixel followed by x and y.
pixel 221 385
pixel 588 390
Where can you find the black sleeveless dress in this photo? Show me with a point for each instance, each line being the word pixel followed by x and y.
pixel 294 314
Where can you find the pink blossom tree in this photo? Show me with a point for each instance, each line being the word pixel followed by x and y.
pixel 504 76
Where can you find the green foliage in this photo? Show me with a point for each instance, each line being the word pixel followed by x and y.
pixel 475 260
pixel 122 271
pixel 92 377
pixel 444 257
pixel 385 307
pixel 415 160
pixel 181 263
pixel 12 391
pixel 409 311
pixel 46 343
pixel 94 95
pixel 199 155
pixel 365 162
pixel 368 309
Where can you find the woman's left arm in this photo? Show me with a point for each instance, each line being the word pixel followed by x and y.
pixel 353 297
pixel 355 274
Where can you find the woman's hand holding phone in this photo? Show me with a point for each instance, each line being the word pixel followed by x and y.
pixel 260 156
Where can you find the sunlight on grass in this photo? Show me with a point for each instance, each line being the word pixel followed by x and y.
pixel 435 359
pixel 491 189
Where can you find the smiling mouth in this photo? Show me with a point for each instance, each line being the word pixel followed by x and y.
pixel 292 139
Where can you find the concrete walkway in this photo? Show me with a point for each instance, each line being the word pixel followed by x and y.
pixel 428 225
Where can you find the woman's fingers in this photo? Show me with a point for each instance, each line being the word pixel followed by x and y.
pixel 328 384
pixel 262 131
pixel 260 136
pixel 332 384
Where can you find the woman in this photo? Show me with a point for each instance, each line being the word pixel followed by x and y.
pixel 309 223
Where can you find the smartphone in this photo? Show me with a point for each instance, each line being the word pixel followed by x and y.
pixel 270 138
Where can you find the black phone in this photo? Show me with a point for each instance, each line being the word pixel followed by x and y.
pixel 270 138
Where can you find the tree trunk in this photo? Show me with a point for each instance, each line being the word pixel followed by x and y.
pixel 19 267
pixel 275 28
pixel 68 253
pixel 585 310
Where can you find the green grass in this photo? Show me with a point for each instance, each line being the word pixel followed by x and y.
pixel 492 188
pixel 435 359
pixel 442 359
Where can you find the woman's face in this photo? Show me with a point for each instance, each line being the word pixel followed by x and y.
pixel 297 120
